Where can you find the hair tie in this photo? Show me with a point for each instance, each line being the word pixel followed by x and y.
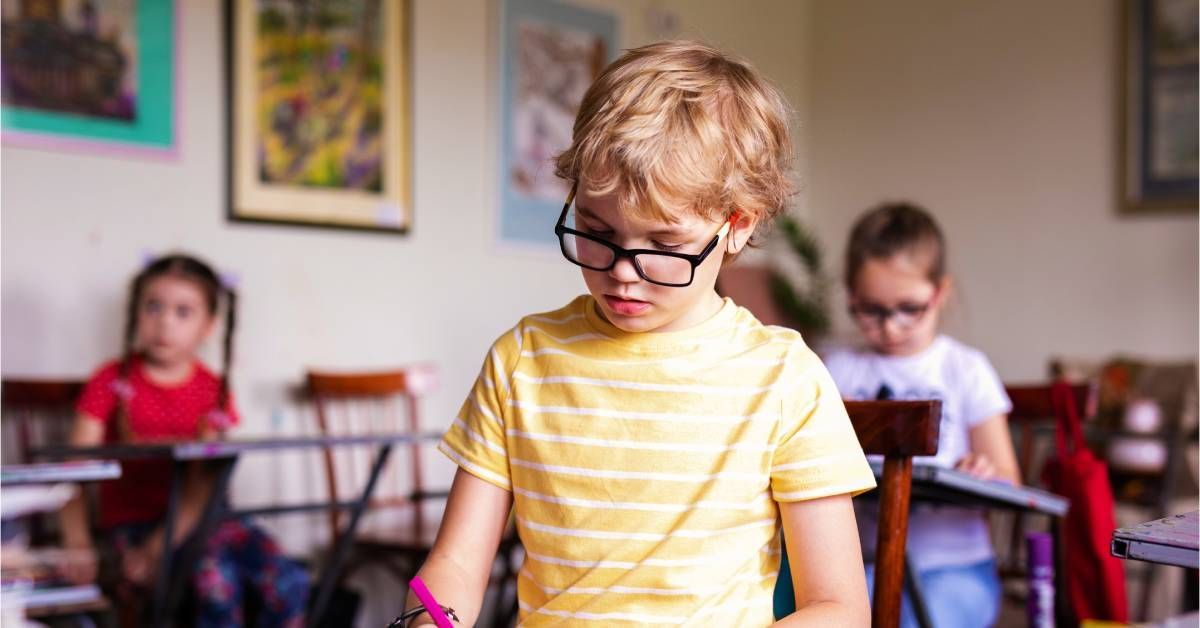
pixel 220 420
pixel 229 280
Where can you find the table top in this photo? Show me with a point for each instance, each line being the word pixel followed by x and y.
pixel 52 472
pixel 937 483
pixel 208 449
pixel 1173 540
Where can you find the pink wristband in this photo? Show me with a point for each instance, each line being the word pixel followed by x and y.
pixel 430 603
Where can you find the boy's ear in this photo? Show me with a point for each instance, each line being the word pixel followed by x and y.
pixel 740 230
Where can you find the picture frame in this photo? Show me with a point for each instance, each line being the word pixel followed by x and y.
pixel 319 114
pixel 550 52
pixel 1159 113
pixel 88 77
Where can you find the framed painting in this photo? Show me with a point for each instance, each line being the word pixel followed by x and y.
pixel 319 113
pixel 550 53
pixel 90 76
pixel 1159 106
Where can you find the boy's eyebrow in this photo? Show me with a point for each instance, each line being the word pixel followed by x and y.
pixel 589 214
pixel 666 231
pixel 669 231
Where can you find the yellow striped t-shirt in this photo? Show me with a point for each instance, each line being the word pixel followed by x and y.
pixel 645 467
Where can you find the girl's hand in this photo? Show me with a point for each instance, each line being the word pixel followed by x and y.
pixel 80 566
pixel 977 465
pixel 139 563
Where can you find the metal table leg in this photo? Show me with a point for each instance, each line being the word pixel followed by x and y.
pixel 330 574
pixel 162 580
pixel 912 583
pixel 192 548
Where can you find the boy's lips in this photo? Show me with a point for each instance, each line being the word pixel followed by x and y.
pixel 624 306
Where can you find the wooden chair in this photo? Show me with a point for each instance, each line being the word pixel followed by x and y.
pixel 896 430
pixel 36 412
pixel 1032 416
pixel 349 403
pixel 379 402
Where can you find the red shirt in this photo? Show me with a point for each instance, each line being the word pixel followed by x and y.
pixel 156 413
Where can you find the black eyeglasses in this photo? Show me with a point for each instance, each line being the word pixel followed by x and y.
pixel 905 315
pixel 664 268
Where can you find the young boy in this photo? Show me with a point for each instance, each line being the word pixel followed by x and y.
pixel 652 436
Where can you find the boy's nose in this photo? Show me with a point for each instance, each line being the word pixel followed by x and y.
pixel 624 271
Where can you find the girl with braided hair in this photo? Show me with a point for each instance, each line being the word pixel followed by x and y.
pixel 159 390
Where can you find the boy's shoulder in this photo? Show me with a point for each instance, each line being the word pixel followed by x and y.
pixel 562 322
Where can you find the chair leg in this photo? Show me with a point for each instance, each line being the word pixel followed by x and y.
pixel 895 490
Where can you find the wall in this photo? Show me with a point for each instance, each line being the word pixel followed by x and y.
pixel 1001 118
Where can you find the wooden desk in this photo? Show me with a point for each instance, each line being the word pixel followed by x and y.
pixel 54 472
pixel 1167 541
pixel 223 456
pixel 56 601
pixel 935 484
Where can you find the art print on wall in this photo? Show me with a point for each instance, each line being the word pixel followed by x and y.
pixel 1159 122
pixel 550 54
pixel 320 113
pixel 89 75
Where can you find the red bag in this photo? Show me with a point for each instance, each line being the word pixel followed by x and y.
pixel 1095 579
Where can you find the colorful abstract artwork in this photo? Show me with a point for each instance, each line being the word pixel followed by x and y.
pixel 320 113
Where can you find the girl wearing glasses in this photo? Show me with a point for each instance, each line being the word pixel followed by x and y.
pixel 897 285
pixel 650 437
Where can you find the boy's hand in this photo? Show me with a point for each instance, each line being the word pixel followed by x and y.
pixel 977 465
pixel 139 563
pixel 80 566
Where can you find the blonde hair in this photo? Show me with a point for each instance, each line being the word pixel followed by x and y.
pixel 679 126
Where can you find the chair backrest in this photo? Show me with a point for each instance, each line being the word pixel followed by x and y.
pixel 896 430
pixel 351 403
pixel 1031 407
pixel 36 412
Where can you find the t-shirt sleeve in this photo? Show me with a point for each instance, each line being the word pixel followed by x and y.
pixel 983 392
pixel 476 440
pixel 100 394
pixel 817 453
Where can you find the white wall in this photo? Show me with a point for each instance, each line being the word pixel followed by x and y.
pixel 1001 118
pixel 76 227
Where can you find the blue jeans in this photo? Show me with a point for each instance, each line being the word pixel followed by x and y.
pixel 956 597
pixel 966 596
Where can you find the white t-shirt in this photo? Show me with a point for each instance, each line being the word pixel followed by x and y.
pixel 970 391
